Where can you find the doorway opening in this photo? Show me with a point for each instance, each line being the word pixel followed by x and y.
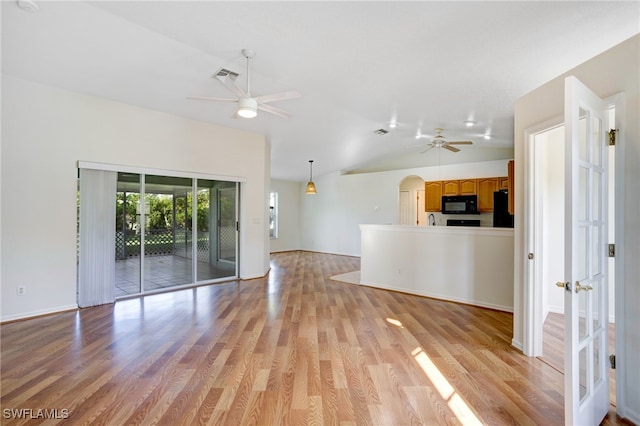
pixel 547 212
pixel 411 202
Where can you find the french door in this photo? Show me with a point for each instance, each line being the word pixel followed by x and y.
pixel 586 387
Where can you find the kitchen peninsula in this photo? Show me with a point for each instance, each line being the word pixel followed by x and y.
pixel 462 264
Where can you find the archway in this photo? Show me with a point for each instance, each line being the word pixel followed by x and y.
pixel 411 202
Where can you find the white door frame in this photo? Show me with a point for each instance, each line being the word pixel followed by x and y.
pixel 533 301
pixel 533 296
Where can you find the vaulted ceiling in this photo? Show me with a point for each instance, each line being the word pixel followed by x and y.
pixel 359 66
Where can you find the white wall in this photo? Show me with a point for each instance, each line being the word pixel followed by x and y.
pixel 614 71
pixel 330 220
pixel 288 215
pixel 467 265
pixel 46 130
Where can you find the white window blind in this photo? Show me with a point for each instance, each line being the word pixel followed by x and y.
pixel 96 273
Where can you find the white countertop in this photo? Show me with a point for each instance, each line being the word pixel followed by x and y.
pixel 474 230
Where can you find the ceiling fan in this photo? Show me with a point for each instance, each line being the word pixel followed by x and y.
pixel 248 105
pixel 439 141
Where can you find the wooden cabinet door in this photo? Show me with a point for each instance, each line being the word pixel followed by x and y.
pixel 451 187
pixel 511 189
pixel 468 186
pixel 433 196
pixel 486 188
pixel 503 183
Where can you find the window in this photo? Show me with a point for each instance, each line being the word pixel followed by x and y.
pixel 273 214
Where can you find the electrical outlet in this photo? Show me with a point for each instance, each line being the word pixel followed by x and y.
pixel 21 290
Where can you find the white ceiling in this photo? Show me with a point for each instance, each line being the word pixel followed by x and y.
pixel 358 65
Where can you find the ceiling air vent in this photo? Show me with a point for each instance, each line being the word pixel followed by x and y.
pixel 381 132
pixel 223 73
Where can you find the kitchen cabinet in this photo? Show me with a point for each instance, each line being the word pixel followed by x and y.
pixel 503 183
pixel 482 187
pixel 451 187
pixel 486 188
pixel 511 189
pixel 433 196
pixel 468 186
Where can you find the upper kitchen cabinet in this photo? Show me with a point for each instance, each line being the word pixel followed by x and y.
pixel 460 187
pixel 486 188
pixel 503 183
pixel 511 176
pixel 451 187
pixel 482 187
pixel 433 196
pixel 468 186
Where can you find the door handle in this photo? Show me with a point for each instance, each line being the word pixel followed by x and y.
pixel 566 286
pixel 582 287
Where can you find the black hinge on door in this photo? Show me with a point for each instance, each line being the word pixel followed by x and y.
pixel 237 226
pixel 612 361
pixel 612 250
pixel 612 136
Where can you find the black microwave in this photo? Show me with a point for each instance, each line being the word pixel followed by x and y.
pixel 460 204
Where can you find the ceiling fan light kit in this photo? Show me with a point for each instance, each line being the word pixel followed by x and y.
pixel 247 107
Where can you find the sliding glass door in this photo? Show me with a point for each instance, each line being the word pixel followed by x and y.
pixel 172 231
pixel 168 257
pixel 128 234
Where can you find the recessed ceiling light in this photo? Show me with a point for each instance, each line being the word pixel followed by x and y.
pixel 393 125
pixel 470 123
pixel 487 137
pixel 28 5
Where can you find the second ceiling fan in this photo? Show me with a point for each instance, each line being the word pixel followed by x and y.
pixel 439 141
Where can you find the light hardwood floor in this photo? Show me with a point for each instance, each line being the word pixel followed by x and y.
pixel 553 348
pixel 292 348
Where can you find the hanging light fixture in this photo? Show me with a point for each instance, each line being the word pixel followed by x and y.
pixel 311 187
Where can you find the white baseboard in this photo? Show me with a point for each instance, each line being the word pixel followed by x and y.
pixel 32 314
pixel 445 298
pixel 517 344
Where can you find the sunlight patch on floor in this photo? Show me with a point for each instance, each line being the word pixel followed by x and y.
pixel 455 402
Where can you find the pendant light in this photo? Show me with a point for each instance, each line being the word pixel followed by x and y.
pixel 311 187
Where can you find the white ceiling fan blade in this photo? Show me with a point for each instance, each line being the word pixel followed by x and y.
pixel 273 110
pixel 233 86
pixel 293 94
pixel 429 148
pixel 460 143
pixel 450 148
pixel 207 98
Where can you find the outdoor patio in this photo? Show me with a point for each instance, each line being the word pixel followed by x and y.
pixel 162 272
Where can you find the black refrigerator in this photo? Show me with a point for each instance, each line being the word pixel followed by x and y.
pixel 501 216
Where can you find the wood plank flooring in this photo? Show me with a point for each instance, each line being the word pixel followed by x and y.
pixel 553 348
pixel 293 348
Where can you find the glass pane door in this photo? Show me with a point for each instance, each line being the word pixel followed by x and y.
pixel 216 230
pixel 168 228
pixel 227 230
pixel 127 235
